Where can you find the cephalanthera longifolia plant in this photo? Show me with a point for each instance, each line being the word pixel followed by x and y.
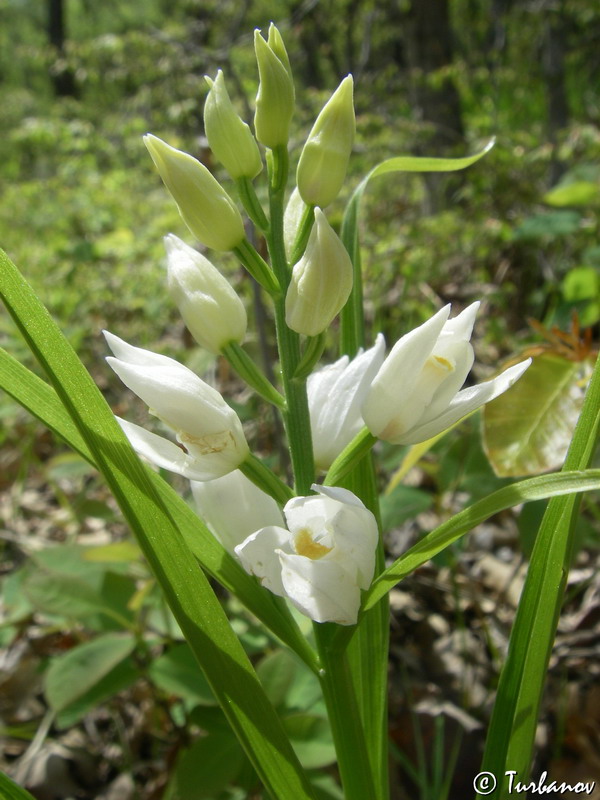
pixel 315 545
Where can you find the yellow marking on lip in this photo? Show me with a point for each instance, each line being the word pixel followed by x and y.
pixel 305 545
pixel 442 362
pixel 208 444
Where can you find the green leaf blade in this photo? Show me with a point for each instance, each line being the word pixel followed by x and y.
pixel 197 610
pixel 9 790
pixel 511 735
pixel 352 326
pixel 73 673
pixel 43 402
pixel 541 488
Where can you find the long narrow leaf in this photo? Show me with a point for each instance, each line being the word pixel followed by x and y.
pixel 42 401
pixel 368 649
pixel 369 646
pixel 187 590
pixel 11 791
pixel 559 483
pixel 511 735
pixel 352 321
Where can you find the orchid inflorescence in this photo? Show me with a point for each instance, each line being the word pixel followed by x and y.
pixel 319 549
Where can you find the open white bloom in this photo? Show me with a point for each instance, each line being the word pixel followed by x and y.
pixel 415 394
pixel 323 560
pixel 203 423
pixel 233 507
pixel 211 309
pixel 335 396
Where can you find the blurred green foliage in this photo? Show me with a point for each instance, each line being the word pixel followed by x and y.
pixel 83 212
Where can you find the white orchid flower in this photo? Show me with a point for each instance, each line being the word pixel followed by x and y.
pixel 415 394
pixel 233 507
pixel 203 423
pixel 324 558
pixel 335 395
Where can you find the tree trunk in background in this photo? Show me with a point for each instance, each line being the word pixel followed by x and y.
pixel 310 38
pixel 427 48
pixel 62 77
pixel 428 45
pixel 553 66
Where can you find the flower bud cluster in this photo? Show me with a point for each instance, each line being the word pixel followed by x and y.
pixel 319 550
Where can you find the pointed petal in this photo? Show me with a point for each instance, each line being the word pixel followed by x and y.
pixel 136 355
pixel 321 589
pixel 335 395
pixel 466 401
pixel 176 395
pixel 394 383
pixel 163 453
pixel 320 384
pixel 461 326
pixel 411 351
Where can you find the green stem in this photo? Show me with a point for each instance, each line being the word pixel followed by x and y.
pixel 247 369
pixel 313 350
pixel 261 476
pixel 368 648
pixel 251 203
pixel 352 323
pixel 344 717
pixel 257 267
pixel 278 164
pixel 350 456
pixel 296 418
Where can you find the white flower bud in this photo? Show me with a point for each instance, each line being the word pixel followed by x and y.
pixel 212 311
pixel 276 96
pixel 292 219
pixel 206 208
pixel 230 138
pixel 321 281
pixel 324 158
